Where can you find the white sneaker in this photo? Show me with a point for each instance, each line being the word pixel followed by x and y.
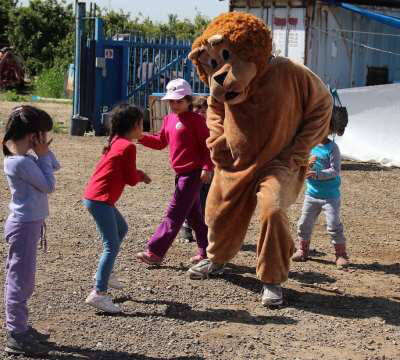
pixel 113 282
pixel 102 302
pixel 272 295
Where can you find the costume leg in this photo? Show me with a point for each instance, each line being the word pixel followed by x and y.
pixel 275 247
pixel 230 205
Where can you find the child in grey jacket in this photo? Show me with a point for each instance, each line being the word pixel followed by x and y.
pixel 323 194
pixel 30 178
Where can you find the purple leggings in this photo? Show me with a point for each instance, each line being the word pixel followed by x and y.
pixel 184 204
pixel 22 238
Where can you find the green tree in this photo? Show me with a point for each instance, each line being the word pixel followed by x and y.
pixel 38 30
pixel 5 8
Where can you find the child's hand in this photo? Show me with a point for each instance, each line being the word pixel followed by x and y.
pixel 146 179
pixel 206 176
pixel 312 160
pixel 41 144
pixel 311 175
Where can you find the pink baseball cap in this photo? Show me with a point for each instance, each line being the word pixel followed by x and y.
pixel 177 89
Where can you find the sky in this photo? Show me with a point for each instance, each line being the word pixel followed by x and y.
pixel 158 10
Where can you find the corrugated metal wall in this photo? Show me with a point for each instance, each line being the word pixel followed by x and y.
pixel 340 45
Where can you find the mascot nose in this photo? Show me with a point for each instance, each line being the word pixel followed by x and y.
pixel 221 78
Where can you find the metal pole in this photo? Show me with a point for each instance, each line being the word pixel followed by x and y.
pixel 287 31
pixel 80 8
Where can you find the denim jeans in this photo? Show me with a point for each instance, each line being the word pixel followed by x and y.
pixel 112 228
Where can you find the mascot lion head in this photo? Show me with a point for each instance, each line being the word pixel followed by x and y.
pixel 228 55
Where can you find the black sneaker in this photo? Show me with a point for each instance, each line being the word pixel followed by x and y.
pixel 187 234
pixel 24 344
pixel 41 337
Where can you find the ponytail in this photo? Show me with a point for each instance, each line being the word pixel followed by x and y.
pixel 10 130
pixel 107 147
pixel 7 137
pixel 25 120
pixel 124 117
pixel 6 151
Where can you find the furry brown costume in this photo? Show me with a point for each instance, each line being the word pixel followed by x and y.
pixel 264 115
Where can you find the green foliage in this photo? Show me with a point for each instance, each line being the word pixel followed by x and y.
pixel 37 30
pixel 43 34
pixel 59 128
pixel 11 95
pixel 121 22
pixel 64 53
pixel 5 8
pixel 50 83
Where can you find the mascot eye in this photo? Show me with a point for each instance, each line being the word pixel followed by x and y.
pixel 213 63
pixel 225 54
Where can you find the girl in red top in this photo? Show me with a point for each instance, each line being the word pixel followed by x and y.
pixel 185 132
pixel 116 168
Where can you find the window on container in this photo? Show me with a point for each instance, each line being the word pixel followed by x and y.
pixel 377 75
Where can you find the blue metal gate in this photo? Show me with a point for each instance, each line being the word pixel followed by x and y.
pixel 126 68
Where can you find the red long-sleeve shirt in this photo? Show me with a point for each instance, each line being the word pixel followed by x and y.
pixel 115 169
pixel 186 136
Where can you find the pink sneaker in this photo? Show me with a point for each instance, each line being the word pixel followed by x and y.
pixel 149 258
pixel 196 259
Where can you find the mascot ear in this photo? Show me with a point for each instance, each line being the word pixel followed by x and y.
pixel 215 39
pixel 194 57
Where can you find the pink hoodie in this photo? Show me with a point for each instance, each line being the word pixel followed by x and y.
pixel 186 136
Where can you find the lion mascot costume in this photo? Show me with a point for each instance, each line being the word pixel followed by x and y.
pixel 265 113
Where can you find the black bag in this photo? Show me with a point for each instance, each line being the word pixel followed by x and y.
pixel 340 117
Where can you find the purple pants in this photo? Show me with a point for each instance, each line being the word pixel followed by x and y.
pixel 184 204
pixel 22 238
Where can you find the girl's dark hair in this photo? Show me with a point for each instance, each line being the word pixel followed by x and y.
pixel 200 101
pixel 25 120
pixel 124 117
pixel 189 99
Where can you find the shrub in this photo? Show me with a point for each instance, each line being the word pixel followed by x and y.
pixel 50 83
pixel 11 95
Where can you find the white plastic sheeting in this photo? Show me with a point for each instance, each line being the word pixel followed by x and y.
pixel 373 131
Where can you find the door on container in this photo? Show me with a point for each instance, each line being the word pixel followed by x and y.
pixel 113 89
pixel 288 32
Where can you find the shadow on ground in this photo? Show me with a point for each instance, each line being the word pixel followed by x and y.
pixel 73 352
pixel 345 306
pixel 184 312
pixel 249 247
pixel 311 277
pixel 390 269
pixel 359 166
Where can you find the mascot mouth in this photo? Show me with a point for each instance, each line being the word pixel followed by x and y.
pixel 231 95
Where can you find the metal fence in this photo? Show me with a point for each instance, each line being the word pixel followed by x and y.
pixel 124 68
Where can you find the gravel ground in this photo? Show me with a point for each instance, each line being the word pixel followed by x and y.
pixel 328 313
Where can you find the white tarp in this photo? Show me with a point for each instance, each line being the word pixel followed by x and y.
pixel 373 131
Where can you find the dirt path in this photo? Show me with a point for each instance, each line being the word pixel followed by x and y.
pixel 329 313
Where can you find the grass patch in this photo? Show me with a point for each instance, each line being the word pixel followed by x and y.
pixel 50 83
pixel 11 95
pixel 59 128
